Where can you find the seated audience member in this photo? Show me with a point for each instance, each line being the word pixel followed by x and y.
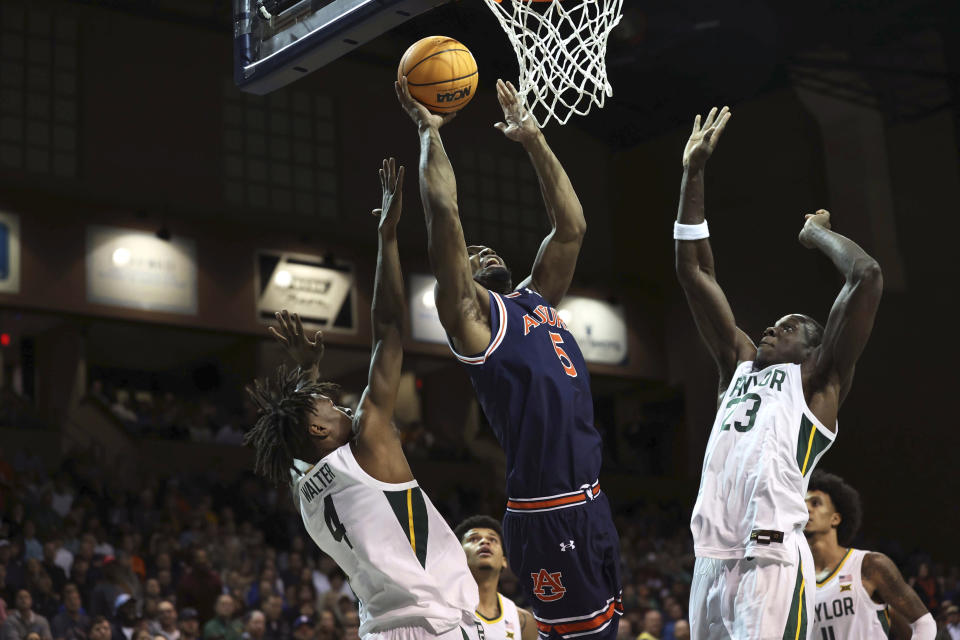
pixel 72 622
pixel 23 621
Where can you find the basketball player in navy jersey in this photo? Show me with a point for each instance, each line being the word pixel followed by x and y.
pixel 531 381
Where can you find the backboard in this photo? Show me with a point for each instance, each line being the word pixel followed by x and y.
pixel 278 41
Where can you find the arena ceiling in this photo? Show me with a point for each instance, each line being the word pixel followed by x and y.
pixel 667 55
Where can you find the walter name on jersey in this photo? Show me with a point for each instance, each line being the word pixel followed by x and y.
pixel 314 484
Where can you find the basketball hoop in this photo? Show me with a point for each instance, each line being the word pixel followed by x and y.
pixel 560 47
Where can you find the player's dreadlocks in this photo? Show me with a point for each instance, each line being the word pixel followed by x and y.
pixel 280 434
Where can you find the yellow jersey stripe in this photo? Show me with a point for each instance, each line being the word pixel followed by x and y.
pixel 800 606
pixel 493 620
pixel 806 459
pixel 413 536
pixel 837 570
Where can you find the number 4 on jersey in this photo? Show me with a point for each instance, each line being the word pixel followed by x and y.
pixel 337 530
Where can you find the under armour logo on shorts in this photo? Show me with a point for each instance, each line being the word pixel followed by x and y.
pixel 567 546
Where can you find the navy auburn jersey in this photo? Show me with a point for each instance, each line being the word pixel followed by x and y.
pixel 533 386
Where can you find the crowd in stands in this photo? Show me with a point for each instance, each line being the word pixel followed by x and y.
pixel 85 557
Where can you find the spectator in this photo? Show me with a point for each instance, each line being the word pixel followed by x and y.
pixel 926 587
pixel 327 627
pixel 681 630
pixel 32 549
pixel 125 617
pixel 952 626
pixel 652 625
pixel 199 586
pixel 72 622
pixel 100 629
pixel 107 590
pixel 166 623
pixel 303 628
pixel 255 627
pixel 223 626
pixel 351 626
pixel 276 627
pixel 57 575
pixel 23 621
pixel 189 624
pixel 62 495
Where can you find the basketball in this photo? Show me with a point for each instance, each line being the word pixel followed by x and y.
pixel 441 73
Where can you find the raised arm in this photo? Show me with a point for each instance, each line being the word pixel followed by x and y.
pixel 694 258
pixel 461 302
pixel 851 318
pixel 378 448
pixel 557 258
pixel 880 573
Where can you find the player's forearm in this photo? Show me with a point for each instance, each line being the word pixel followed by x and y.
pixel 389 306
pixel 847 256
pixel 563 205
pixel 691 198
pixel 438 183
pixel 446 247
pixel 693 256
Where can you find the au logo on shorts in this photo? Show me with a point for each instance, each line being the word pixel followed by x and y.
pixel 547 586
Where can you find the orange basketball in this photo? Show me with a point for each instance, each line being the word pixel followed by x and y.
pixel 441 73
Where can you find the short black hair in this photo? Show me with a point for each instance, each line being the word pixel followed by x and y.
pixel 95 621
pixel 478 522
pixel 280 434
pixel 812 329
pixel 846 501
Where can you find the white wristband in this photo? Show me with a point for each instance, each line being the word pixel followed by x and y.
pixel 924 628
pixel 690 231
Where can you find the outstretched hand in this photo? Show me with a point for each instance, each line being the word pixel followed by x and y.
pixel 519 125
pixel 391 181
pixel 703 140
pixel 819 219
pixel 305 352
pixel 420 115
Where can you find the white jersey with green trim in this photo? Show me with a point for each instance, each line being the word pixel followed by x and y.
pixel 764 444
pixel 845 611
pixel 403 562
pixel 504 627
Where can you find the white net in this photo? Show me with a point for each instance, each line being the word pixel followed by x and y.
pixel 561 48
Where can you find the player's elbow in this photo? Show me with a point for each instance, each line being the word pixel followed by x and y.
pixel 687 272
pixel 868 272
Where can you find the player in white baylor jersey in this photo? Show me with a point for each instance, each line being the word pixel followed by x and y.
pixel 358 498
pixel 777 414
pixel 861 594
pixel 498 616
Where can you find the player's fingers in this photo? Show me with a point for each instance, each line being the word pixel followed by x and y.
pixel 450 116
pixel 278 337
pixel 296 317
pixel 398 184
pixel 710 117
pixel 500 126
pixel 284 329
pixel 708 134
pixel 721 124
pixel 318 338
pixel 377 212
pixel 696 125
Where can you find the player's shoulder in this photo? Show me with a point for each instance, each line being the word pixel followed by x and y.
pixel 877 566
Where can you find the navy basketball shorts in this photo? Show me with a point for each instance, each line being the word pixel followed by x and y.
pixel 567 558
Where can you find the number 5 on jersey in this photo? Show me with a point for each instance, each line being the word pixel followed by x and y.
pixel 564 358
